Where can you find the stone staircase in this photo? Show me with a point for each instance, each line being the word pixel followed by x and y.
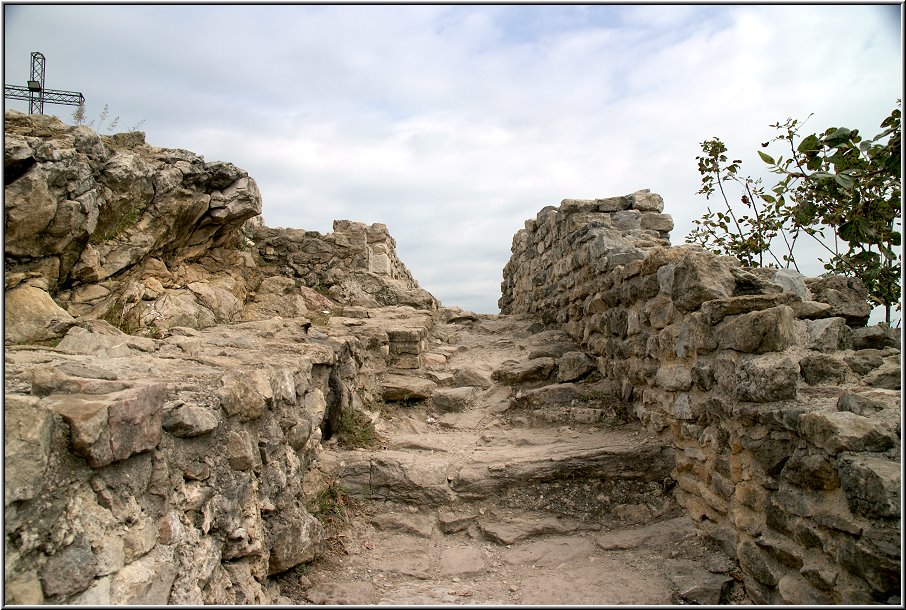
pixel 507 473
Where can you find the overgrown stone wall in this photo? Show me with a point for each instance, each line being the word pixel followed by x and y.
pixel 782 407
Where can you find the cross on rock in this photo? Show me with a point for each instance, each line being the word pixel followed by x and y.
pixel 35 92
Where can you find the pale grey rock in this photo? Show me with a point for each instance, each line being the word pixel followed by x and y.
pixel 345 593
pixel 454 399
pixel 699 278
pixel 844 431
pixel 30 315
pixel 657 222
pixel 694 584
pixel 405 387
pixel 513 373
pixel 146 581
pixel 294 537
pixel 823 368
pixel 26 437
pixel 674 377
pixel 878 336
pixel 471 376
pixel 829 335
pixel 766 378
pixel 847 297
pixel 417 524
pixel 792 281
pixel 759 332
pixel 646 201
pixel 190 420
pixel 461 562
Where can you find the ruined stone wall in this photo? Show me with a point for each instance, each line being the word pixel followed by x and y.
pixel 782 407
pixel 355 264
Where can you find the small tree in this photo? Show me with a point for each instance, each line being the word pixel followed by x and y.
pixel 833 182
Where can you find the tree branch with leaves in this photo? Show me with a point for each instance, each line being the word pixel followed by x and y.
pixel 834 182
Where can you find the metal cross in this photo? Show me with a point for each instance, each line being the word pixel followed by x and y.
pixel 35 92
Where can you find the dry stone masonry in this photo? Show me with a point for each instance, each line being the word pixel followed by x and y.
pixel 177 375
pixel 782 407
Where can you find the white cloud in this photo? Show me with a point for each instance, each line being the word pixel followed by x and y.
pixel 454 124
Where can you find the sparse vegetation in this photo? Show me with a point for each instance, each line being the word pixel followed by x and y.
pixel 79 118
pixel 356 430
pixel 839 190
pixel 332 507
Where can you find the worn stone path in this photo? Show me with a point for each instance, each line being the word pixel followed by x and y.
pixel 518 482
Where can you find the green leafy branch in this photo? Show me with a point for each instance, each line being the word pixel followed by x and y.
pixel 832 182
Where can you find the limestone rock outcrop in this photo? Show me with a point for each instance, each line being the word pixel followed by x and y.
pixel 150 238
pixel 166 388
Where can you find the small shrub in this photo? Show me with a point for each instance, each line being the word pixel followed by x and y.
pixel 356 430
pixel 332 507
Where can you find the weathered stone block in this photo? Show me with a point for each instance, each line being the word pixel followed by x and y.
pixel 847 297
pixel 190 420
pixel 715 311
pixel 812 471
pixel 405 387
pixel 674 377
pixel 109 428
pixel 538 369
pixel 147 581
pixel 770 330
pixel 797 590
pixel 766 378
pixel 26 449
pixel 844 431
pixel 246 394
pixel 878 336
pixel 872 485
pixel 757 564
pixel 702 277
pixel 829 335
pixel 294 537
pixel 864 361
pixel 657 222
pixel 822 368
pixel 70 570
pixel 646 201
pixel 454 399
pixel 793 282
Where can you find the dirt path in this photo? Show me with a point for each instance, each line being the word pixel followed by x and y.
pixel 510 486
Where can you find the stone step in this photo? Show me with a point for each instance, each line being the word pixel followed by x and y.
pixel 490 470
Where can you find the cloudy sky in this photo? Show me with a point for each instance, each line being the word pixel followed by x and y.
pixel 454 124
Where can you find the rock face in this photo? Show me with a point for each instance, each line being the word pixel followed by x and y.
pixel 761 381
pixel 150 238
pixel 165 464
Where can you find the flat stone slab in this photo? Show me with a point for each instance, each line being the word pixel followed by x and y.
pixel 342 593
pixel 461 561
pixel 550 552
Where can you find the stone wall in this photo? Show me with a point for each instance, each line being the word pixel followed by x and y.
pixel 782 407
pixel 355 264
